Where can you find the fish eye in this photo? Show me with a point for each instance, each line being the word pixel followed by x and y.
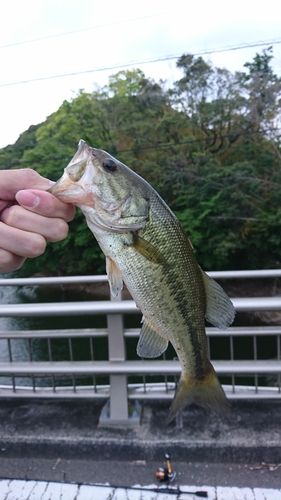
pixel 109 165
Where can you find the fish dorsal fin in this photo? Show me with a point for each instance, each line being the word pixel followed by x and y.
pixel 219 308
pixel 150 344
pixel 114 277
pixel 147 250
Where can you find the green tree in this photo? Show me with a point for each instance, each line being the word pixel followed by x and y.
pixel 262 88
pixel 209 145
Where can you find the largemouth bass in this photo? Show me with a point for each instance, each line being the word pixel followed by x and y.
pixel 147 249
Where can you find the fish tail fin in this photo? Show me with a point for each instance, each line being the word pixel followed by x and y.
pixel 205 392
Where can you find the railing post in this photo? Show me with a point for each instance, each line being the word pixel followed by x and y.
pixel 116 411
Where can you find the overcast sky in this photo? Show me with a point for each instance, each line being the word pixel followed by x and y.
pixel 111 34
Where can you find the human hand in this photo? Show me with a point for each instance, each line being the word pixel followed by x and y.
pixel 29 217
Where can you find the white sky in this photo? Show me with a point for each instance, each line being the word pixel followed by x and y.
pixel 121 32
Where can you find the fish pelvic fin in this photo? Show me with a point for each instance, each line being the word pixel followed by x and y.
pixel 114 277
pixel 206 392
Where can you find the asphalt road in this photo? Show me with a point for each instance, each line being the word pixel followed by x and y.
pixel 61 441
pixel 129 473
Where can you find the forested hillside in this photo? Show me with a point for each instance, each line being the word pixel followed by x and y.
pixel 210 145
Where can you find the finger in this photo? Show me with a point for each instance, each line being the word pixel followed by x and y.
pixel 4 204
pixel 45 204
pixel 21 243
pixel 52 229
pixel 9 262
pixel 13 181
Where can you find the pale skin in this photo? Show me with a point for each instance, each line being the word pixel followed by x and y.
pixel 29 217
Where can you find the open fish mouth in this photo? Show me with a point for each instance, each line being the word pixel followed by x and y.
pixel 74 185
pixel 67 190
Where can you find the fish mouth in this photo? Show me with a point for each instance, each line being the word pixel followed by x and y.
pixel 67 190
pixel 83 148
pixel 70 191
pixel 71 187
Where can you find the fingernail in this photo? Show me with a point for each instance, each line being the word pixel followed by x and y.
pixel 27 199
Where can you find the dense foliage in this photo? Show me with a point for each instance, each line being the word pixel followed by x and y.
pixel 210 146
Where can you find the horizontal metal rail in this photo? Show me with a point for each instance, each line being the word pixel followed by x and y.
pixel 69 280
pixel 132 367
pixel 53 280
pixel 23 378
pixel 69 308
pixel 239 331
pixel 60 334
pixel 120 307
pixel 257 273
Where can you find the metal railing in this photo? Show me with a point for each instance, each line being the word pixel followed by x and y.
pixel 125 381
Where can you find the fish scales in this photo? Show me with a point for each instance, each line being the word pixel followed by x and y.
pixel 146 247
pixel 168 294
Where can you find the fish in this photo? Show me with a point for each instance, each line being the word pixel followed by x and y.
pixel 147 249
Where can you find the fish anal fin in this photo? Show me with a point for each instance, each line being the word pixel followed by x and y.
pixel 147 250
pixel 151 344
pixel 220 311
pixel 206 392
pixel 114 277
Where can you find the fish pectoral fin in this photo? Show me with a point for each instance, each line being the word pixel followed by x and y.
pixel 220 311
pixel 114 277
pixel 151 344
pixel 147 250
